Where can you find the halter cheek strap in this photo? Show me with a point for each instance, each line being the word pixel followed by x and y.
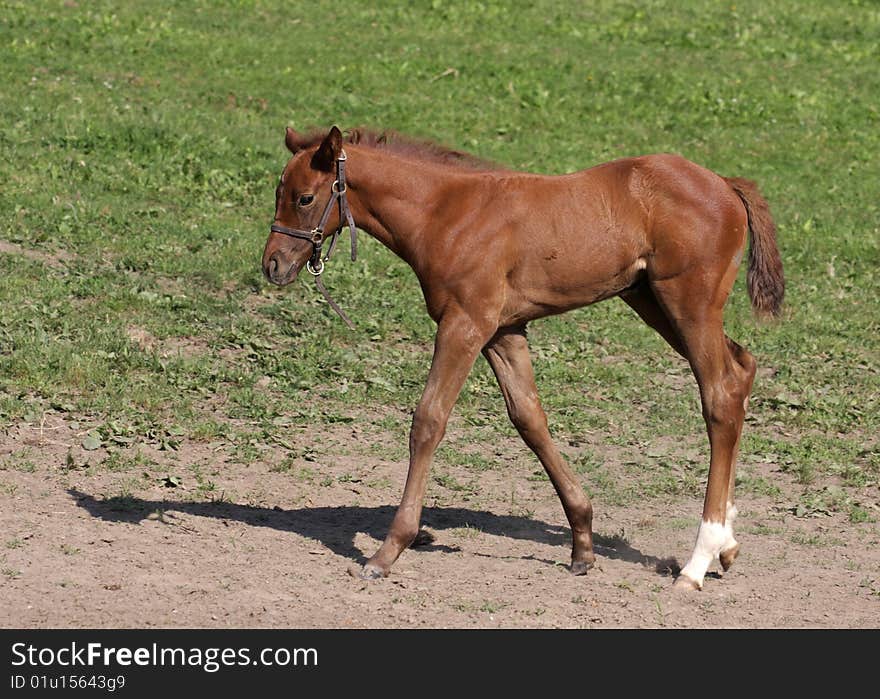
pixel 316 236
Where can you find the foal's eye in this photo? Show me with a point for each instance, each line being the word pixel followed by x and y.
pixel 306 199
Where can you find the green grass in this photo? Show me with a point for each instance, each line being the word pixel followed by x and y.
pixel 141 143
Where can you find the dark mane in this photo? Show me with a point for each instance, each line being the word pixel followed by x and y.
pixel 421 149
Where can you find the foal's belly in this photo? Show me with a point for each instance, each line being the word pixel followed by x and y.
pixel 553 291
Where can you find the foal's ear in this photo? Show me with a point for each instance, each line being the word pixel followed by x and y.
pixel 295 142
pixel 328 151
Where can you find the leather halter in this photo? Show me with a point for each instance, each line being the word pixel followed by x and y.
pixel 316 236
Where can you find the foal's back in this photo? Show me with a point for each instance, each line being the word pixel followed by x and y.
pixel 579 238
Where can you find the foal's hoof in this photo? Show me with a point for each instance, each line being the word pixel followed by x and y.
pixel 372 572
pixel 580 567
pixel 423 538
pixel 728 557
pixel 683 582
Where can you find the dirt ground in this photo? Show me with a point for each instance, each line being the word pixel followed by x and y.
pixel 88 546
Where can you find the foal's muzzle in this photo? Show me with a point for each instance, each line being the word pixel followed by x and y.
pixel 281 268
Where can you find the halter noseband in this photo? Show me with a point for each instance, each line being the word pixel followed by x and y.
pixel 316 236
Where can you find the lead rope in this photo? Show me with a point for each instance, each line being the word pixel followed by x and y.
pixel 333 304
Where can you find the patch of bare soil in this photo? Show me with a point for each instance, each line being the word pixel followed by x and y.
pixel 186 347
pixel 88 542
pixel 52 260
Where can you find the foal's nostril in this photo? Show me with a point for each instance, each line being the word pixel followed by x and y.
pixel 273 267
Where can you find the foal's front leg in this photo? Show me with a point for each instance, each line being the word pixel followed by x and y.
pixel 458 342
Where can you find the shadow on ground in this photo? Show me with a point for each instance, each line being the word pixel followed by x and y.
pixel 336 527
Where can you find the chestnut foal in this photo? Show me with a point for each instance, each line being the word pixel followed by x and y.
pixel 494 249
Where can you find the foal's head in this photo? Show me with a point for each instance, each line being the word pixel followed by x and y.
pixel 300 199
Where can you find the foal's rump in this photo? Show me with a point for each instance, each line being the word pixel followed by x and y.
pixel 699 219
pixel 692 215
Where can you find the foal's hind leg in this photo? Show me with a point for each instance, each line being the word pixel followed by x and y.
pixel 642 301
pixel 508 355
pixel 724 373
pixel 747 362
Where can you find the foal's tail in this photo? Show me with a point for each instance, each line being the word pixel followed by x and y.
pixel 765 281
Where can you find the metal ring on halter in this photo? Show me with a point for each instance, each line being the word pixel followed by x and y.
pixel 317 236
pixel 315 272
pixel 335 187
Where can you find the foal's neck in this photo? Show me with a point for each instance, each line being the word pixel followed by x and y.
pixel 392 195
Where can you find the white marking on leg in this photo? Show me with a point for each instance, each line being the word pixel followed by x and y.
pixel 732 513
pixel 712 539
pixel 729 519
